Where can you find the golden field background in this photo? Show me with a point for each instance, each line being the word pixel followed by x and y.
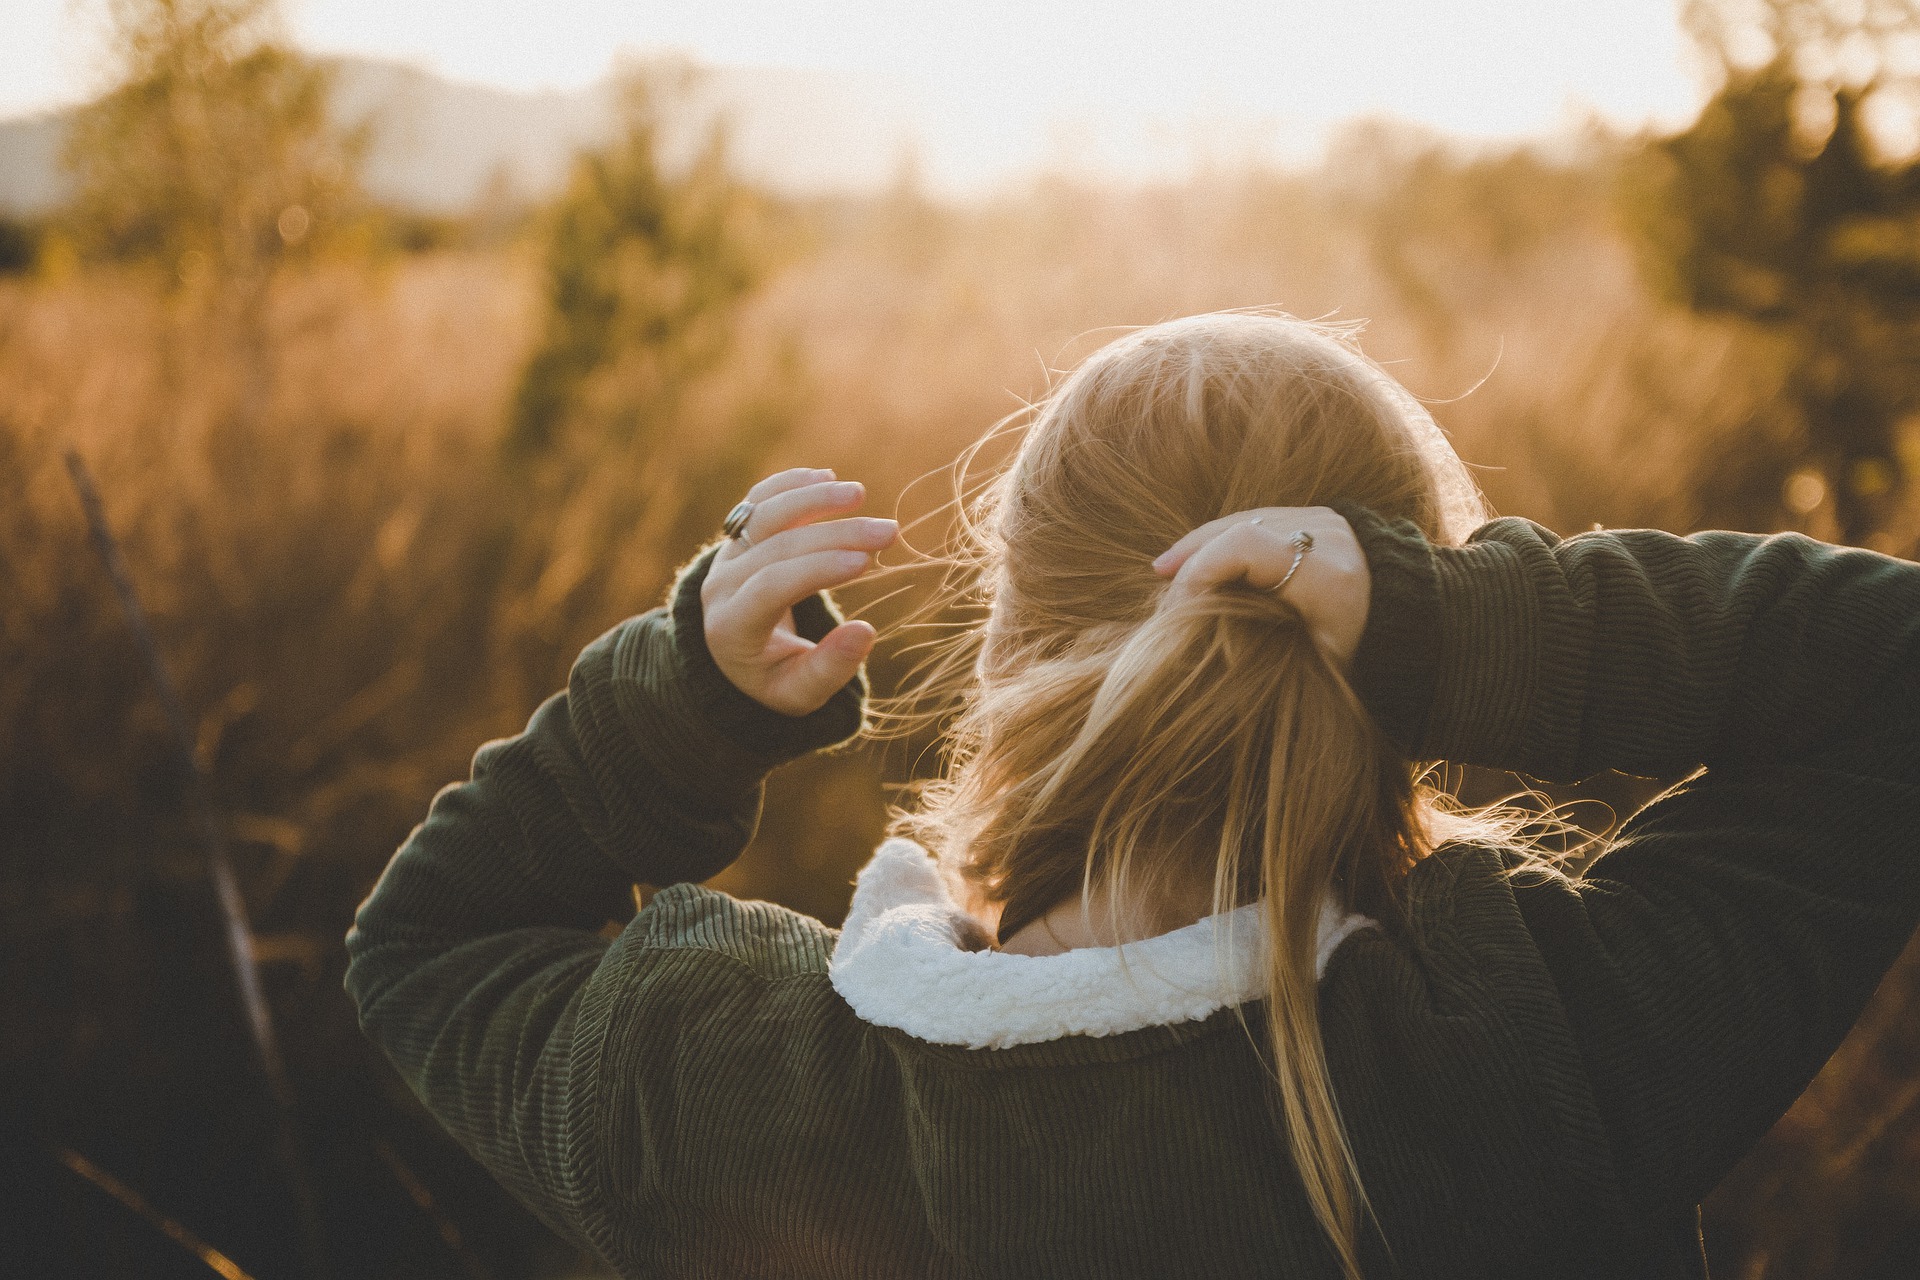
pixel 357 575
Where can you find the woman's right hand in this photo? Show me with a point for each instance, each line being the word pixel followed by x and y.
pixel 801 538
pixel 1331 589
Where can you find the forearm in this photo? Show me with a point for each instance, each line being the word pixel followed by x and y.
pixel 476 964
pixel 1638 651
pixel 1715 956
pixel 647 769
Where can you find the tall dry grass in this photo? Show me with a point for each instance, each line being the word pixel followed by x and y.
pixel 355 590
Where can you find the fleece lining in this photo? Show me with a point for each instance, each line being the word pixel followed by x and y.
pixel 909 957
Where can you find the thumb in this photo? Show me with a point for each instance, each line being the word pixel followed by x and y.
pixel 810 678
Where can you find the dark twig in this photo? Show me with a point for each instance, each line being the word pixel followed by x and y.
pixel 212 837
pixel 216 1261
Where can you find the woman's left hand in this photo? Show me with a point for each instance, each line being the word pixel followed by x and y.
pixel 1331 589
pixel 792 550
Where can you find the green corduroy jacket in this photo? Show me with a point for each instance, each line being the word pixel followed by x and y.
pixel 1541 1076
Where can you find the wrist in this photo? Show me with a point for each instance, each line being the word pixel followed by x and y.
pixel 1396 665
pixel 708 695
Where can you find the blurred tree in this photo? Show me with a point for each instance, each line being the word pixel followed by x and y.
pixel 645 269
pixel 1793 202
pixel 213 158
pixel 214 155
pixel 19 245
pixel 624 444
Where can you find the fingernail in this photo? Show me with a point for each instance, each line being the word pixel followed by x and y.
pixel 1160 561
pixel 848 489
pixel 854 559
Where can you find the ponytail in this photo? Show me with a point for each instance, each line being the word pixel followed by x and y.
pixel 1215 741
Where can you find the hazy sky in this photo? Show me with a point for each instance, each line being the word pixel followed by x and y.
pixel 996 84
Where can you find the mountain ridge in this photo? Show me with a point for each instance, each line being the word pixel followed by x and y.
pixel 439 144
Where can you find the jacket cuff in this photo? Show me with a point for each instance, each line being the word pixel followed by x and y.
pixel 1397 665
pixel 708 698
pixel 1486 687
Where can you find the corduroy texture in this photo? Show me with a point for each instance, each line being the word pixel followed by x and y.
pixel 1540 1077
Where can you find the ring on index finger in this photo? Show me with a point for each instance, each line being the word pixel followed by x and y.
pixel 735 525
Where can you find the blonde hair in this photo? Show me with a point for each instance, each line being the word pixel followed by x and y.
pixel 1106 738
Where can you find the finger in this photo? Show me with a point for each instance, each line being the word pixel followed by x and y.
pixel 791 478
pixel 764 598
pixel 1170 560
pixel 805 681
pixel 1251 552
pixel 785 508
pixel 857 533
pixel 1269 518
pixel 801 505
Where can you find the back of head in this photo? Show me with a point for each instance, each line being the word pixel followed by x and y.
pixel 1112 739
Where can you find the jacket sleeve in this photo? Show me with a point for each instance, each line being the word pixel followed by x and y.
pixel 477 964
pixel 1714 958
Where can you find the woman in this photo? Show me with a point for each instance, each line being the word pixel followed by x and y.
pixel 1202 980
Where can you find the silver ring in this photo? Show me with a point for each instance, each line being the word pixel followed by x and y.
pixel 1302 542
pixel 735 525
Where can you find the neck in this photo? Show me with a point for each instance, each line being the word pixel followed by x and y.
pixel 1070 925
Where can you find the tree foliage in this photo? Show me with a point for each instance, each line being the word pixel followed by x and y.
pixel 633 424
pixel 214 156
pixel 1784 205
pixel 645 269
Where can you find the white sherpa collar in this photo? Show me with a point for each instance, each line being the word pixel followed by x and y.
pixel 903 960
